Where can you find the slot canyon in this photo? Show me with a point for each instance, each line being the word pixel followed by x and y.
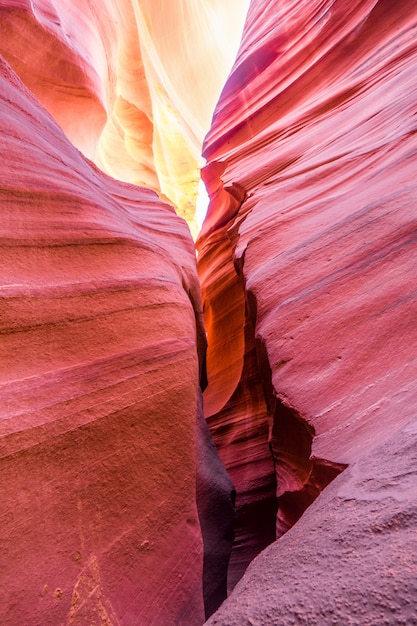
pixel 208 420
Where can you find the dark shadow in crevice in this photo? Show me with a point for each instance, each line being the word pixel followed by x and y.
pixel 300 477
pixel 215 497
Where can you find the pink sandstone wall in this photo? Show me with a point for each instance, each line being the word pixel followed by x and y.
pixel 93 300
pixel 312 173
pixel 115 507
pixel 101 337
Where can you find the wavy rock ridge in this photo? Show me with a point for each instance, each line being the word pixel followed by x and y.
pixel 116 509
pixel 97 321
pixel 131 83
pixel 311 170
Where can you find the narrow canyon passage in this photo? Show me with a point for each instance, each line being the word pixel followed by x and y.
pixel 292 337
pixel 264 445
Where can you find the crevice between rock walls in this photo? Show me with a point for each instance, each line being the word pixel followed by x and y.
pixel 215 500
pixel 234 402
pixel 300 477
pixel 215 492
pixel 263 441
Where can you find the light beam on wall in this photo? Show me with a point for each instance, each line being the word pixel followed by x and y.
pixel 202 204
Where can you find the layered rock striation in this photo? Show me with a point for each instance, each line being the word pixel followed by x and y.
pixel 132 83
pixel 115 507
pixel 102 346
pixel 311 170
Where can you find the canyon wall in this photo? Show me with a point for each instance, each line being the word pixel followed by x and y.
pixel 116 509
pixel 132 83
pixel 308 259
pixel 105 505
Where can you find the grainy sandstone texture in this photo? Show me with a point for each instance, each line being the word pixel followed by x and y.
pixel 100 425
pixel 312 171
pixel 115 507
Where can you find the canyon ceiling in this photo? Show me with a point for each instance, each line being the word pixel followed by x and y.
pixel 231 436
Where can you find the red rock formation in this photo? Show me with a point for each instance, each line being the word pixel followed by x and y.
pixel 234 402
pixel 133 84
pixel 350 560
pixel 94 289
pixel 100 324
pixel 110 482
pixel 317 126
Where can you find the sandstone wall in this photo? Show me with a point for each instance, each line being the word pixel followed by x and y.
pixel 312 173
pixel 101 354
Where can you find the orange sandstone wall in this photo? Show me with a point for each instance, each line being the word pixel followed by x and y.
pixel 312 174
pixel 132 83
pixel 117 508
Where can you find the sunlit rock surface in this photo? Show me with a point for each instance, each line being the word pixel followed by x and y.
pixel 101 352
pixel 115 508
pixel 133 83
pixel 312 172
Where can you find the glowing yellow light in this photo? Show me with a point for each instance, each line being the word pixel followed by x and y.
pixel 202 204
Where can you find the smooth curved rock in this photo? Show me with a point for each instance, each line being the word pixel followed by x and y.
pixel 317 125
pixel 100 335
pixel 307 259
pixel 234 402
pixel 133 84
pixel 352 558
